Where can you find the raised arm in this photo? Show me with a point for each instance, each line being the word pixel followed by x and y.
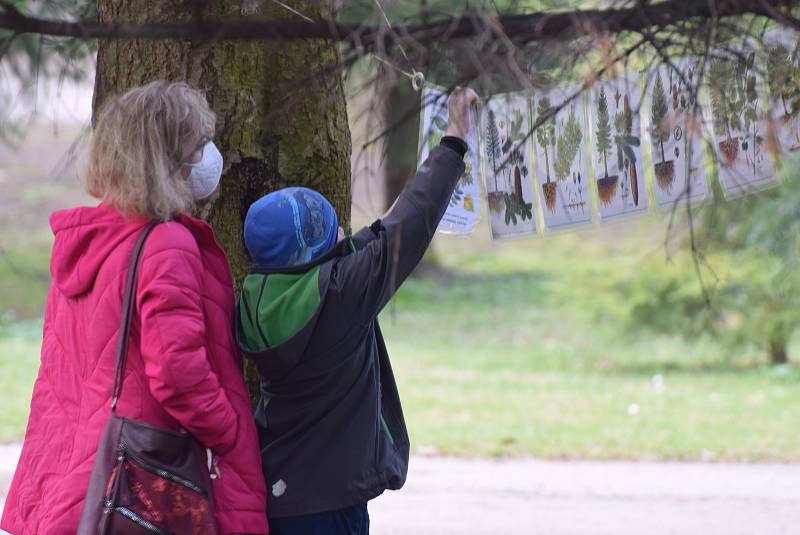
pixel 389 250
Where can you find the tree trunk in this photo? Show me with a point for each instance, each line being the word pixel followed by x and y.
pixel 278 124
pixel 777 350
pixel 400 105
pixel 399 102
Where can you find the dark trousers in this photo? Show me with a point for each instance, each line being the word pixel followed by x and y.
pixel 350 521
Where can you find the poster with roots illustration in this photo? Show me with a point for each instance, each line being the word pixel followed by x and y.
pixel 675 123
pixel 505 124
pixel 462 212
pixel 741 143
pixel 617 147
pixel 560 167
pixel 781 65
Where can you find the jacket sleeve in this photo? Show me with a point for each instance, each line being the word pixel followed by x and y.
pixel 389 250
pixel 173 344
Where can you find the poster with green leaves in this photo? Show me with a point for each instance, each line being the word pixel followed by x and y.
pixel 676 132
pixel 742 149
pixel 560 165
pixel 505 124
pixel 781 63
pixel 616 132
pixel 462 212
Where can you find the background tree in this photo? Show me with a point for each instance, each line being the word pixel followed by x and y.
pixel 757 305
pixel 603 128
pixel 762 232
pixel 276 126
pixel 398 103
pixel 27 57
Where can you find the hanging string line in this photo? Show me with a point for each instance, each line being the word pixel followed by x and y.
pixel 293 10
pixel 389 25
pixel 417 78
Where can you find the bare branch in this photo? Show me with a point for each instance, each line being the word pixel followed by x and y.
pixel 561 25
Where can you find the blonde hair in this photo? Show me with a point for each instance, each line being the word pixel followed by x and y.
pixel 141 139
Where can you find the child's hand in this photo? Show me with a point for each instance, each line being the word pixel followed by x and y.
pixel 458 105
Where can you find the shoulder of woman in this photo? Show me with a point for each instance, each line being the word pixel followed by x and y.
pixel 171 238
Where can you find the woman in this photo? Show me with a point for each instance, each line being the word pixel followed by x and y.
pixel 151 158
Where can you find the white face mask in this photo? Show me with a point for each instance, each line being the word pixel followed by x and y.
pixel 205 174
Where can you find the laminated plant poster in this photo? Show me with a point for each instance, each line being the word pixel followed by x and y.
pixel 617 147
pixel 781 63
pixel 560 164
pixel 505 125
pixel 462 212
pixel 676 133
pixel 743 153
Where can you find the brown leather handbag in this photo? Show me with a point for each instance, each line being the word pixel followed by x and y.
pixel 145 479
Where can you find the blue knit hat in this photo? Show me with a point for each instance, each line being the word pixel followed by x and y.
pixel 289 227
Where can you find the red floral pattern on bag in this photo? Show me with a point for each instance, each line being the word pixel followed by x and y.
pixel 167 504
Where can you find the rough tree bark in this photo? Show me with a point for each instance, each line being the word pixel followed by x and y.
pixel 278 123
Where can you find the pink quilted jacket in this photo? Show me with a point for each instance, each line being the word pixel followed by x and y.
pixel 184 371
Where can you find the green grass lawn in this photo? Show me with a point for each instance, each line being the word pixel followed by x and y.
pixel 529 347
pixel 459 408
pixel 532 348
pixel 24 275
pixel 19 362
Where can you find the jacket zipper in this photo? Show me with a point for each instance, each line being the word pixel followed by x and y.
pixel 112 487
pixel 136 519
pixel 161 472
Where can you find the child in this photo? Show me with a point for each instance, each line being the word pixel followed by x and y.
pixel 330 424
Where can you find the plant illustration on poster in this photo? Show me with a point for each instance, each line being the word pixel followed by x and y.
pixel 617 139
pixel 505 123
pixel 676 133
pixel 560 167
pixel 745 161
pixel 462 213
pixel 782 66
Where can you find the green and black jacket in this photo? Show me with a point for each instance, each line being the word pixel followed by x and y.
pixel 330 423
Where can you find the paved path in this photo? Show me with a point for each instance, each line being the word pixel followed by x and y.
pixel 455 496
pixel 446 496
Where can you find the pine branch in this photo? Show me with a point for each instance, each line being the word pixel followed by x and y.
pixel 562 25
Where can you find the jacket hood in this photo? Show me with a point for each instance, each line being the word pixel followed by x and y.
pixel 277 312
pixel 276 317
pixel 84 238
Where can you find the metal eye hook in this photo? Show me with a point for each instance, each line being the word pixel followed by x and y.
pixel 417 81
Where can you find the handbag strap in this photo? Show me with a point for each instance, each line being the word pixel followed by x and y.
pixel 128 302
